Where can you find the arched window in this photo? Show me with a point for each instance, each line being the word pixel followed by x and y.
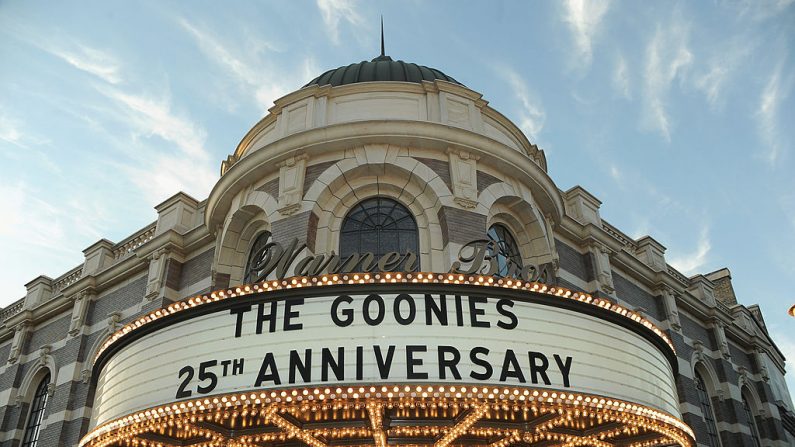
pixel 379 225
pixel 37 407
pixel 706 408
pixel 507 250
pixel 749 414
pixel 255 257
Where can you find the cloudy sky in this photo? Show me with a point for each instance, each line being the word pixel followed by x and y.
pixel 679 116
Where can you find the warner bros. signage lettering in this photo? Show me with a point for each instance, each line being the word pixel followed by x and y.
pixel 371 338
pixel 478 257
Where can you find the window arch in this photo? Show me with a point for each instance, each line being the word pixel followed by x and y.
pixel 379 225
pixel 509 259
pixel 706 408
pixel 749 414
pixel 251 273
pixel 36 415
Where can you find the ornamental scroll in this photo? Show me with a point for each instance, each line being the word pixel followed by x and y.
pixel 477 257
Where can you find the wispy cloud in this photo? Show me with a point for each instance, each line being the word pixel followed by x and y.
pixel 761 10
pixel 90 60
pixel 667 58
pixel 161 172
pixel 14 131
pixel 334 11
pixel 267 81
pixel 531 114
pixel 10 129
pixel 713 80
pixel 775 92
pixel 691 263
pixel 584 18
pixel 621 77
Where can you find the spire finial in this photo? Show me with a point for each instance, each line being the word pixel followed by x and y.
pixel 382 36
pixel 383 56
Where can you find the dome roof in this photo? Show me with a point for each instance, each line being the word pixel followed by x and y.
pixel 380 69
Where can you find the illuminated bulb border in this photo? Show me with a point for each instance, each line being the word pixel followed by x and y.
pixel 380 278
pixel 478 399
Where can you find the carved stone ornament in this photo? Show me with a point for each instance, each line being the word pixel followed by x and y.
pixel 85 375
pixel 50 389
pixel 465 203
pixel 44 352
pixel 113 321
pixel 699 351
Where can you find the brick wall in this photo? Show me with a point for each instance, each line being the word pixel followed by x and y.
pixel 461 226
pixel 637 297
pixel 696 331
pixel 485 180
pixel 311 174
pixel 440 167
pixel 579 265
pixel 271 187
pixel 118 300
pixel 196 269
pixel 47 334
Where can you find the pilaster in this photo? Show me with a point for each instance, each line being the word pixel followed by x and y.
pixel 291 184
pixel 671 309
pixel 464 177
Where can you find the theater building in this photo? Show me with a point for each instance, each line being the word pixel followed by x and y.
pixel 384 260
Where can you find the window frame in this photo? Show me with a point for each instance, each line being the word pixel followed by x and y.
pixel 511 243
pixel 38 407
pixel 382 203
pixel 708 414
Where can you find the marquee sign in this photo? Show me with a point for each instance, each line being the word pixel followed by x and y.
pixel 383 333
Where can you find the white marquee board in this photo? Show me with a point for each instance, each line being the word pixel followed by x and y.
pixel 583 353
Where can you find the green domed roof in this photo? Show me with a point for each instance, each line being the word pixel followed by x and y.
pixel 380 69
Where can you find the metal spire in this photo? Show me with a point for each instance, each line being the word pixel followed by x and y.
pixel 382 36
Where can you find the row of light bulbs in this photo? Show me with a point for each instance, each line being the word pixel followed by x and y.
pixel 568 409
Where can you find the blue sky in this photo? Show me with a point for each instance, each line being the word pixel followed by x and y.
pixel 679 116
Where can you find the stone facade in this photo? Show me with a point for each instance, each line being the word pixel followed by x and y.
pixel 297 174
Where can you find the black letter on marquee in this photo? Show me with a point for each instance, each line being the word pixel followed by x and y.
pixel 565 368
pixel 239 311
pixel 451 364
pixel 304 367
pixel 359 363
pixel 366 309
pixel 327 361
pixel 535 368
pixel 346 312
pixel 384 365
pixel 459 311
pixel 483 363
pixel 510 367
pixel 270 317
pixel 411 362
pixel 439 311
pixel 503 308
pixel 237 366
pixel 289 314
pixel 268 364
pixel 474 311
pixel 412 309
